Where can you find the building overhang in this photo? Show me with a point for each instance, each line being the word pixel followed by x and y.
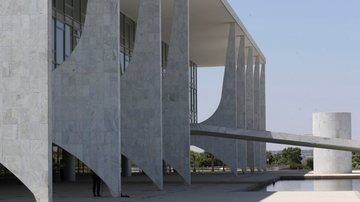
pixel 209 29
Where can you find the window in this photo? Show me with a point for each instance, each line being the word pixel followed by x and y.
pixel 68 41
pixel 66 28
pixel 69 7
pixel 59 42
pixel 60 6
pixel 193 92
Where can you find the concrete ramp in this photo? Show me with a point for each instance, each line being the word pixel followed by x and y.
pixel 275 137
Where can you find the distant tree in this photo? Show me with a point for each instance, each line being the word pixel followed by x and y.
pixel 292 155
pixel 309 163
pixel 356 160
pixel 288 156
pixel 194 160
pixel 203 159
pixel 269 158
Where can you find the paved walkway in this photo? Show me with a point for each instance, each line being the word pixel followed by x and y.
pixel 205 188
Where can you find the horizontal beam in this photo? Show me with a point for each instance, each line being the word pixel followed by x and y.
pixel 275 137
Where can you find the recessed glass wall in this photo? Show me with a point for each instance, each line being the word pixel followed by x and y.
pixel 68 18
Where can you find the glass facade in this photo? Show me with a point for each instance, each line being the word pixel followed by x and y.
pixel 68 18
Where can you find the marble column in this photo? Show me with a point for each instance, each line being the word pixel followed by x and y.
pixel 225 115
pixel 25 126
pixel 256 123
pixel 176 111
pixel 263 115
pixel 249 109
pixel 86 95
pixel 141 95
pixel 240 103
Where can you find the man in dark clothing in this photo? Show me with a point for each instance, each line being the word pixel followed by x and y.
pixel 96 184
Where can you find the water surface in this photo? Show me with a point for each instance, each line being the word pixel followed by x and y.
pixel 315 185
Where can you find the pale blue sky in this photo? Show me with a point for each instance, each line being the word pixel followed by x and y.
pixel 312 48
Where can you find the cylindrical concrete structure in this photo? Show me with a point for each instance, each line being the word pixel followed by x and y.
pixel 332 125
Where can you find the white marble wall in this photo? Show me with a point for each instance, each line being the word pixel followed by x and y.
pixel 24 124
pixel 225 115
pixel 141 95
pixel 86 94
pixel 176 127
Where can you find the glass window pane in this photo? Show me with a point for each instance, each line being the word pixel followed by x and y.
pixel 76 10
pixel 68 41
pixel 83 10
pixel 60 6
pixel 52 42
pixel 68 7
pixel 59 42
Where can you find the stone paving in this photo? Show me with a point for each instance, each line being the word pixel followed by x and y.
pixel 205 188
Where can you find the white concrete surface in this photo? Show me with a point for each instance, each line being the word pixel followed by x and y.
pixel 257 150
pixel 249 107
pixel 262 114
pixel 332 125
pixel 25 143
pixel 240 103
pixel 275 137
pixel 141 95
pixel 225 114
pixel 176 127
pixel 86 87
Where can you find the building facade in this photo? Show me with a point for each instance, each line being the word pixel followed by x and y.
pixel 97 84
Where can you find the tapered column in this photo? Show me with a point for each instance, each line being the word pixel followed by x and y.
pixel 141 95
pixel 225 115
pixel 262 115
pixel 240 103
pixel 249 103
pixel 86 95
pixel 256 125
pixel 176 111
pixel 25 119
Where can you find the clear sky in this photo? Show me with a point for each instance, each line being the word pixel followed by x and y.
pixel 312 48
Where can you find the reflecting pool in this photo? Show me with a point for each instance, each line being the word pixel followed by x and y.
pixel 315 185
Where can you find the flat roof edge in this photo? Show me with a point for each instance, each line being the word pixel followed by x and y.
pixel 242 26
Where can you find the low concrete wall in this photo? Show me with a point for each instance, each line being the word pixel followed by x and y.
pixel 332 125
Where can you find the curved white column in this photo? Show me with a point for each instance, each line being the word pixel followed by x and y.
pixel 249 106
pixel 141 95
pixel 332 125
pixel 176 126
pixel 225 115
pixel 86 90
pixel 257 154
pixel 25 143
pixel 262 115
pixel 240 103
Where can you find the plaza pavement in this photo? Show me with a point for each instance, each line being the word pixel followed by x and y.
pixel 205 188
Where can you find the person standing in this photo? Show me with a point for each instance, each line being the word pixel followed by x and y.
pixel 96 184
